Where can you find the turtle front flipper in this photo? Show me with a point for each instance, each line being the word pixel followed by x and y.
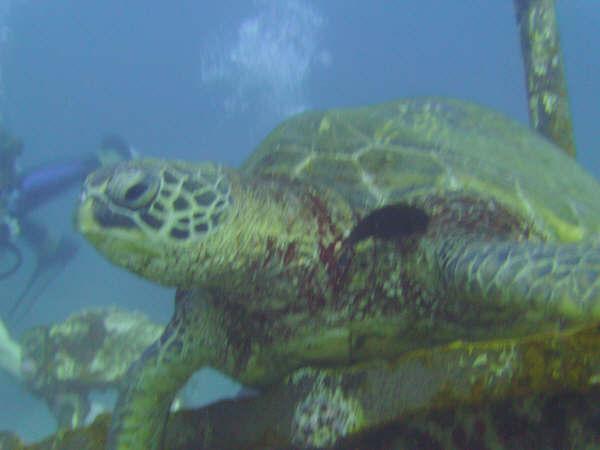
pixel 537 283
pixel 194 338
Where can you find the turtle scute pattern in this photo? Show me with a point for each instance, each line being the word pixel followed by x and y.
pixel 348 235
pixel 404 149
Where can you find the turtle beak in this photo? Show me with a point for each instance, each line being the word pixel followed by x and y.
pixel 83 203
pixel 83 215
pixel 94 216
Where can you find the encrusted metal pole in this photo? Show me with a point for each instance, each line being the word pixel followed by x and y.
pixel 549 111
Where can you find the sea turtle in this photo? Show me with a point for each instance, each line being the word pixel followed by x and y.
pixel 349 234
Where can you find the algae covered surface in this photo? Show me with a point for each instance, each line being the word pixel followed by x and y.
pixel 540 391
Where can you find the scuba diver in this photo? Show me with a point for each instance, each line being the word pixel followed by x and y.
pixel 22 192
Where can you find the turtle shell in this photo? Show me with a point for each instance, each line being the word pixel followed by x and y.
pixel 402 150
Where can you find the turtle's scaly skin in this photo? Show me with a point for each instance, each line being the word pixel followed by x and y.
pixel 348 235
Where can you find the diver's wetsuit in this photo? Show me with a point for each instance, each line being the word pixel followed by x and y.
pixel 21 194
pixel 28 192
pixel 32 189
pixel 10 149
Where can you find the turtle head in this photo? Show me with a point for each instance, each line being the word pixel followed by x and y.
pixel 150 216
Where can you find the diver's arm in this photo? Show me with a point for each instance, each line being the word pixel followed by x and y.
pixel 41 184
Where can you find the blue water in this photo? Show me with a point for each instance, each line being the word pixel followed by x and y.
pixel 207 80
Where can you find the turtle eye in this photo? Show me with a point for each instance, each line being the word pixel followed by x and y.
pixel 133 188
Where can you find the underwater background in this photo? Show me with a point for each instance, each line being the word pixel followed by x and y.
pixel 202 80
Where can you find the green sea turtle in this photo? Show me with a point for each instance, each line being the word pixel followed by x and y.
pixel 348 235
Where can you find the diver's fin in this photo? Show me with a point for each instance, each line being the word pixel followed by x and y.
pixel 51 259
